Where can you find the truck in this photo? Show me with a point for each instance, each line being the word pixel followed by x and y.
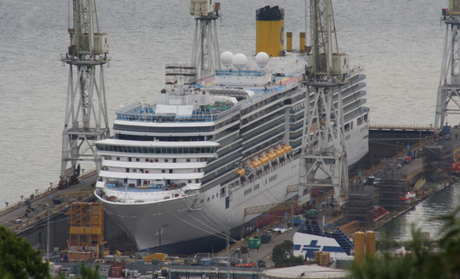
pixel 399 163
pixel 254 242
pixel 266 237
pixel 297 221
pixel 199 256
pixel 312 214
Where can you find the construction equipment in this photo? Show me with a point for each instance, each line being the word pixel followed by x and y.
pixel 86 119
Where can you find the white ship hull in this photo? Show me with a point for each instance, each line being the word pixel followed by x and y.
pixel 179 222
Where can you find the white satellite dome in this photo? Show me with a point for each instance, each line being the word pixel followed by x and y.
pixel 239 61
pixel 226 59
pixel 262 59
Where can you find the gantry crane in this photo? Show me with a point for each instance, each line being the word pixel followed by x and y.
pixel 323 161
pixel 448 98
pixel 86 118
pixel 205 53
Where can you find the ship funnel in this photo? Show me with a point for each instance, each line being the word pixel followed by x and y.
pixel 270 31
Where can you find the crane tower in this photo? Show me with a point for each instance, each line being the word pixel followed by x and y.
pixel 86 118
pixel 205 53
pixel 448 99
pixel 323 161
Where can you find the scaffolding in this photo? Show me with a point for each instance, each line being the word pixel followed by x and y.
pixel 390 189
pixel 436 158
pixel 359 206
pixel 86 233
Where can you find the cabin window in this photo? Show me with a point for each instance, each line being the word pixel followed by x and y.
pixel 146 160
pixel 347 127
pixel 188 160
pixel 127 169
pixel 365 117
pixel 163 171
pixel 137 159
pixel 118 158
pixel 174 160
pixel 130 159
pixel 156 160
pixel 166 160
pixel 360 121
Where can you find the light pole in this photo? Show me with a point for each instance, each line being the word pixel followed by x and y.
pixel 227 232
pixel 22 197
pixel 6 203
pixel 48 231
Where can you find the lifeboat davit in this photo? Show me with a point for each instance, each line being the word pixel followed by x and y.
pixel 287 148
pixel 241 172
pixel 255 163
pixel 263 159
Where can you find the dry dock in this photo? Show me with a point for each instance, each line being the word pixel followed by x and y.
pixel 32 224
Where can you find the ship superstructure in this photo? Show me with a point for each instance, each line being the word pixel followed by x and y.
pixel 187 166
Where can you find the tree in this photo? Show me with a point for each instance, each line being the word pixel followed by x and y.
pixel 423 262
pixel 19 259
pixel 86 272
pixel 282 255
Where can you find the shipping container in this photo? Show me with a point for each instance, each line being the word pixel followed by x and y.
pixel 116 272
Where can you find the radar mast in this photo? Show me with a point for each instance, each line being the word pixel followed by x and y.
pixel 86 118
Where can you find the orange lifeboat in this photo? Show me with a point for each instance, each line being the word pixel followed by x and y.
pixel 263 159
pixel 279 152
pixel 241 172
pixel 271 155
pixel 255 163
pixel 287 148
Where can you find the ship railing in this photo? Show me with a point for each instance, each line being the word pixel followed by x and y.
pixel 237 73
pixel 144 188
pixel 209 114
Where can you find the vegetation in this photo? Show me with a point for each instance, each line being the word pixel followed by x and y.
pixel 19 259
pixel 423 262
pixel 282 255
pixel 86 272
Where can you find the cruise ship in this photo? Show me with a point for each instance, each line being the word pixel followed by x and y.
pixel 182 170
